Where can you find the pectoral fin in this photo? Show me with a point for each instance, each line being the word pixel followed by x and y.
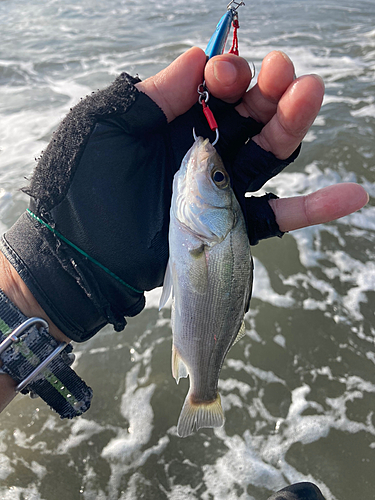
pixel 167 286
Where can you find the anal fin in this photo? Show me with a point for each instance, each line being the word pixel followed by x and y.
pixel 241 333
pixel 179 369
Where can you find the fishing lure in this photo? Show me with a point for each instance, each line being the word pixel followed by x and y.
pixel 219 38
pixel 215 47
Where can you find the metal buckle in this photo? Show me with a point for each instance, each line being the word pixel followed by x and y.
pixel 14 337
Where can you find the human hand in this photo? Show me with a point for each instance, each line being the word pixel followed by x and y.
pixel 109 130
pixel 287 106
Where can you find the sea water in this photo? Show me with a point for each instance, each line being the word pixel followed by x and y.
pixel 299 390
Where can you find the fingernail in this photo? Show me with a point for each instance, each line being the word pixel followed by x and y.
pixel 319 78
pixel 225 72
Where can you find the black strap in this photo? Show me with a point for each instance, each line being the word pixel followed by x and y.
pixel 58 385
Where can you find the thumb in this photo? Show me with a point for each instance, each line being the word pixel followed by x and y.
pixel 174 89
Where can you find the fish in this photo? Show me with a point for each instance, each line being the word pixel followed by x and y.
pixel 209 276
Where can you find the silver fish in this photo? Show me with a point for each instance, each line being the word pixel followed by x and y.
pixel 209 275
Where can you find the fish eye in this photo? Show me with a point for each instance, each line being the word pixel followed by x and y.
pixel 220 178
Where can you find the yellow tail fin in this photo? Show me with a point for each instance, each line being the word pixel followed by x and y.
pixel 199 415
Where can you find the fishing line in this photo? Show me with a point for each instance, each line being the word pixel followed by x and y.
pixel 82 252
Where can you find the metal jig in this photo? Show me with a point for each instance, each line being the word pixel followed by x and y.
pixel 215 47
pixel 218 40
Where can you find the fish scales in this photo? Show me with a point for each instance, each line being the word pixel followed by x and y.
pixel 209 274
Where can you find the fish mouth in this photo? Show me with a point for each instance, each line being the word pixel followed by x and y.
pixel 203 150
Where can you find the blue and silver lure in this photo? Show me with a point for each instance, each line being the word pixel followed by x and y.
pixel 218 40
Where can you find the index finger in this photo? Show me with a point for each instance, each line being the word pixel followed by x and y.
pixel 174 89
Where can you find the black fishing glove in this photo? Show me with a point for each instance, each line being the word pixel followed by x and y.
pixel 299 491
pixel 95 236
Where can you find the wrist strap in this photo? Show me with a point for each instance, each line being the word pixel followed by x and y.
pixel 39 363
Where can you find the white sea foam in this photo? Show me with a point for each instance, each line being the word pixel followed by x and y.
pixel 280 340
pixel 138 414
pixel 241 465
pixel 261 459
pixel 260 374
pixel 368 110
pixel 5 466
pixel 17 493
pixel 39 470
pixel 125 451
pixel 365 219
pixel 81 430
pixel 362 277
pixel 263 290
pixel 180 492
